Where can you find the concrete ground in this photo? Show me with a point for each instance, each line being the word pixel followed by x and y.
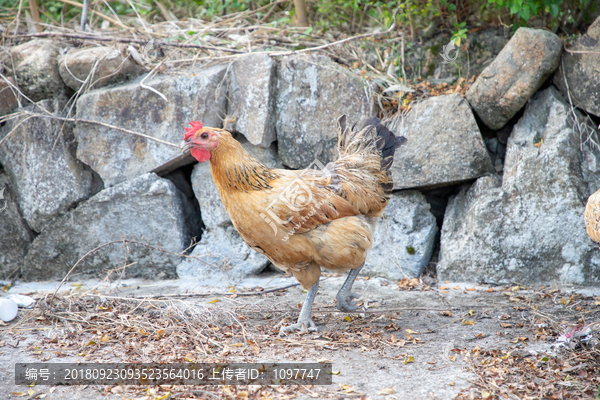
pixel 410 343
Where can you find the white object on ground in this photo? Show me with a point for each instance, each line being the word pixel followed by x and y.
pixel 22 300
pixel 8 309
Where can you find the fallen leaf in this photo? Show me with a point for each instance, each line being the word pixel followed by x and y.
pixel 456 288
pixel 485 395
pixel 324 360
pixel 409 359
pixel 446 313
pixel 333 372
pixel 519 339
pixel 385 391
pixel 105 338
pixel 346 388
pixel 225 351
pixel 214 300
pixel 411 332
pixel 468 322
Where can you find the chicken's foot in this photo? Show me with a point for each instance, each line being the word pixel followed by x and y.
pixel 304 319
pixel 345 296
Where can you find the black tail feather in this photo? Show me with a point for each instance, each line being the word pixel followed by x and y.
pixel 387 142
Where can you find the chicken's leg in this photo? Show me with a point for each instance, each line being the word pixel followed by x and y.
pixel 304 320
pixel 345 296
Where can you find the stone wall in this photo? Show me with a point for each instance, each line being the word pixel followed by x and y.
pixel 518 190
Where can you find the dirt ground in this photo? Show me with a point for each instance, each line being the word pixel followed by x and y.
pixel 444 341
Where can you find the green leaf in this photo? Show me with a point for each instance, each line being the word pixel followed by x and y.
pixel 451 7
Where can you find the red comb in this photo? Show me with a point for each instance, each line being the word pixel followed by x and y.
pixel 189 132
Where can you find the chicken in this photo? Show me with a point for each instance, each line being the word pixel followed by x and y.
pixel 304 220
pixel 592 216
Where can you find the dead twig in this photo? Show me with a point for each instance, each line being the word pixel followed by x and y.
pixel 76 36
pixel 364 35
pixel 191 295
pixel 87 121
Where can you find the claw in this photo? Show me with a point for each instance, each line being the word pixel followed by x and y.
pixel 300 326
pixel 345 296
pixel 345 303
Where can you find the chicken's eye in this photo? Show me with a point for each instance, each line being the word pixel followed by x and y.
pixel 204 136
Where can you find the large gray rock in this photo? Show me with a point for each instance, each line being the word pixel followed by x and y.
pixel 404 238
pixel 147 209
pixel 529 226
pixel 252 98
pixel 8 97
pixel 504 87
pixel 212 209
pixel 118 156
pixel 15 236
pixel 36 67
pixel 313 92
pixel 222 255
pixel 444 145
pixel 582 71
pixel 39 156
pixel 106 63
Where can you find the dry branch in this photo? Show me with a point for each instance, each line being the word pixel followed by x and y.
pixel 77 36
pixel 87 121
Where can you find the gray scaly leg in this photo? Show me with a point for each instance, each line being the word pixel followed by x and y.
pixel 345 296
pixel 304 320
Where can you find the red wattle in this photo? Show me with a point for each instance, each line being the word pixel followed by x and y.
pixel 202 155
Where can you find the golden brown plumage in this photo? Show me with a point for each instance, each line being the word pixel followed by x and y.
pixel 592 216
pixel 305 220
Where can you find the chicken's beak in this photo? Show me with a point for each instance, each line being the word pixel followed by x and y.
pixel 185 146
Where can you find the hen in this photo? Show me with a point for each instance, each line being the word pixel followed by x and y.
pixel 308 219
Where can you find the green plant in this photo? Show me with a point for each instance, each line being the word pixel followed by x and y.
pixel 460 33
pixel 525 9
